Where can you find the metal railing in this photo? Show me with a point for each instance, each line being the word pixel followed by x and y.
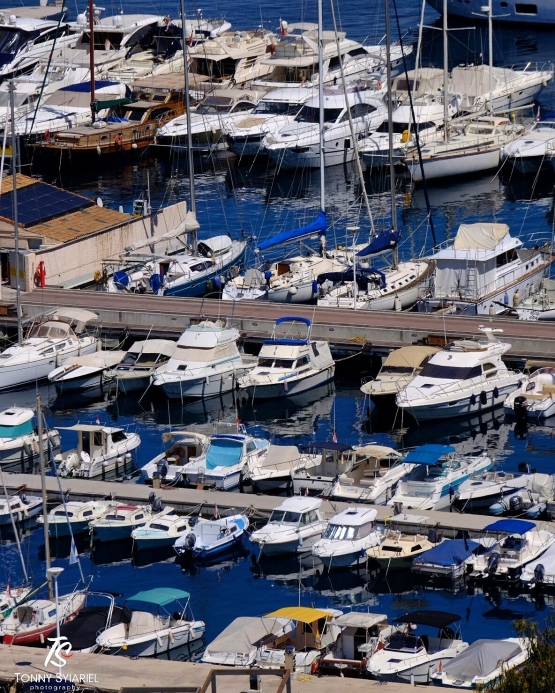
pixel 252 674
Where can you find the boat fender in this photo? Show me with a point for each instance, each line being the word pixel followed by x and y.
pixel 293 290
pixel 495 392
pixel 406 136
pixel 268 276
pixel 27 447
pixel 314 286
pixel 46 135
pixel 209 285
pixel 41 638
pixel 171 636
pixel 98 150
pixel 217 283
pixel 484 397
pixel 539 573
pixel 127 457
pixel 472 400
pixel 493 563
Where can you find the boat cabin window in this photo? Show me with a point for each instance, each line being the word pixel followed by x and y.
pixel 265 363
pixel 10 40
pixel 310 114
pixel 357 51
pixel 399 128
pixel 285 517
pixel 275 108
pixel 303 361
pixel 182 528
pixel 251 446
pixel 407 85
pixel 416 547
pixel 156 525
pixel 312 516
pixel 47 330
pixel 400 642
pixel 117 437
pixel 62 513
pixel 115 516
pixel 505 258
pixel 87 513
pixel 284 363
pixel 139 516
pixel 340 532
pixel 359 110
pixel 47 351
pixel 434 370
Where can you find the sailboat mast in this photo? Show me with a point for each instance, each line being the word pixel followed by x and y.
pixel 15 530
pixel 11 88
pixel 445 74
pixel 321 101
pixel 490 51
pixel 44 503
pixel 190 159
pixel 91 55
pixel 395 257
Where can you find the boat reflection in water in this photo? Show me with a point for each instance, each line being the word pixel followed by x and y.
pixel 222 562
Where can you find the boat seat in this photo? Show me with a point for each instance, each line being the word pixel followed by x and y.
pixel 537 395
pixel 367 483
pixel 143 622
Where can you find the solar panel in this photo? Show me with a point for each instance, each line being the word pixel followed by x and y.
pixel 39 203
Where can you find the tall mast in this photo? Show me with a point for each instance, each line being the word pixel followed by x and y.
pixel 395 256
pixel 490 51
pixel 321 102
pixel 190 158
pixel 44 503
pixel 11 88
pixel 91 54
pixel 445 74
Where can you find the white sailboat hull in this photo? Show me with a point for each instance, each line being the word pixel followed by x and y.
pixel 482 159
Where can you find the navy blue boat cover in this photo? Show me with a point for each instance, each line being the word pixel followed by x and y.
pixel 428 454
pixel 511 526
pixel 448 553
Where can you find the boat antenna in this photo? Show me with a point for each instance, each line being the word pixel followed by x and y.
pixel 91 70
pixel 321 103
pixel 44 502
pixel 395 253
pixel 16 533
pixel 11 88
pixel 190 158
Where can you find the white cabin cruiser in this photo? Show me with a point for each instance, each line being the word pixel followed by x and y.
pixel 533 151
pixel 85 372
pixel 294 527
pixel 484 271
pixel 19 442
pixel 244 135
pixel 519 542
pixel 135 370
pixel 153 632
pixel 169 465
pixel 479 380
pixel 100 450
pixel 206 362
pixel 480 491
pixel 50 343
pixel 346 538
pixel 74 517
pixel 399 368
pixel 297 144
pixel 18 508
pixel 120 520
pixel 408 657
pixel 535 398
pixel 398 550
pixel 223 461
pixel 163 531
pixel 212 537
pixel 437 473
pixel 276 469
pixel 289 366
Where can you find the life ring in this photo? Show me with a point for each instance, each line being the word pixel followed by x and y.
pixel 118 140
pixel 406 136
pixel 314 667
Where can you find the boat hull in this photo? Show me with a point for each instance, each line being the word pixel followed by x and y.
pixel 304 293
pixel 199 287
pixel 292 546
pixel 544 14
pixel 159 644
pixel 114 533
pixel 201 388
pixel 302 385
pixel 455 165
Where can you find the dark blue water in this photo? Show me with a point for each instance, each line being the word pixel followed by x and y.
pixel 232 197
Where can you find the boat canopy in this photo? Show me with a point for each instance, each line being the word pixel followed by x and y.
pixel 245 634
pixel 409 356
pixel 358 619
pixel 280 457
pixel 511 526
pixel 318 226
pixel 479 236
pixel 380 452
pixel 318 447
pixel 436 619
pixel 163 347
pixel 384 241
pixel 481 659
pixel 76 317
pixel 162 596
pixel 448 553
pixel 428 454
pixel 303 614
pixel 293 318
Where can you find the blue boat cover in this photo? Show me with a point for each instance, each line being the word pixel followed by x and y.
pixel 385 240
pixel 511 526
pixel 448 553
pixel 285 342
pixel 292 318
pixel 548 116
pixel 224 452
pixel 428 454
pixel 319 226
pixel 86 86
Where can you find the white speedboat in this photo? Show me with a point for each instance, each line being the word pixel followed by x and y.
pixel 437 473
pixel 482 664
pixel 297 144
pixel 137 367
pixel 75 516
pixel 19 508
pixel 206 362
pixel 163 531
pixel 120 520
pixel 277 467
pixel 519 542
pixel 408 657
pixel 221 464
pixel 288 366
pixel 169 465
pixel 100 450
pixel 219 106
pixel 19 442
pixel 480 491
pixel 153 632
pixel 535 398
pixel 85 372
pixel 346 538
pixel 479 381
pixel 294 527
pixel 50 343
pixel 533 151
pixel 399 368
pixel 485 271
pixel 541 571
pixel 212 537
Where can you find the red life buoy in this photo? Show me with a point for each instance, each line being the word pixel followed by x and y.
pixel 118 139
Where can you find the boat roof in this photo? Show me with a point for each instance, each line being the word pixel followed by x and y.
pixel 92 428
pixel 448 553
pixel 481 658
pixel 423 617
pixel 290 94
pixel 409 356
pixel 303 614
pixel 26 23
pixel 74 316
pixel 358 619
pixel 428 454
pixel 198 437
pixel 280 456
pixel 300 504
pixel 245 633
pixel 481 241
pixel 207 335
pixel 217 244
pixel 337 97
pixel 354 517
pixel 154 346
pixel 511 526
pixel 160 596
pixel 326 445
pixel 380 452
pixel 15 415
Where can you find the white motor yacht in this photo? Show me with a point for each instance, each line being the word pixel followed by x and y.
pixel 19 442
pixel 347 537
pixel 50 343
pixel 169 465
pixel 437 473
pixel 297 143
pixel 221 464
pixel 137 367
pixel 535 397
pixel 120 520
pixel 163 531
pixel 533 151
pixel 85 372
pixel 288 366
pixel 485 271
pixel 219 106
pixel 519 542
pixel 479 380
pixel 399 368
pixel 480 491
pixel 408 657
pixel 100 450
pixel 206 362
pixel 276 469
pixel 324 462
pixel 74 517
pixel 18 508
pixel 294 527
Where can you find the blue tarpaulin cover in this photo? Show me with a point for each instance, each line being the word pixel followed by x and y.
pixel 386 240
pixel 317 226
pixel 428 454
pixel 510 526
pixel 448 553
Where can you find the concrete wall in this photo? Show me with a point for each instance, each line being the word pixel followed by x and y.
pixel 75 262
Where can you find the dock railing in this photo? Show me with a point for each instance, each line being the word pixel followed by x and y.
pixel 252 674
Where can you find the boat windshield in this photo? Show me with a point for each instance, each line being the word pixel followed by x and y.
pixel 400 642
pixel 49 331
pixel 16 431
pixel 277 108
pixel 278 363
pixel 434 370
pixel 285 517
pixel 340 532
pixel 19 99
pixel 213 105
pixel 9 41
pixel 310 114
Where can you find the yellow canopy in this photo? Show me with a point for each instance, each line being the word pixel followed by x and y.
pixel 304 614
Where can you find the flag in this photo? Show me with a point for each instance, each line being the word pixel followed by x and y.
pixel 73 555
pixel 190 42
pixel 216 513
pixel 97 420
pixel 9 590
pixel 281 28
pixel 334 438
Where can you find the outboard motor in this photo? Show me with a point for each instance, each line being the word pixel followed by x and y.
pixel 539 574
pixel 521 408
pixel 191 541
pixel 156 505
pixel 162 468
pixel 516 503
pixel 151 497
pixel 493 563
